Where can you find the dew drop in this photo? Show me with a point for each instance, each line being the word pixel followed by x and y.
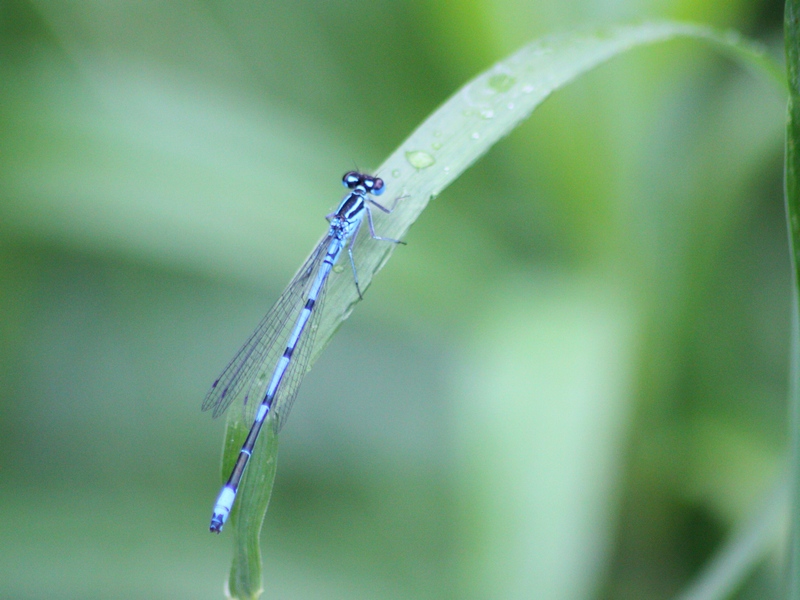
pixel 437 133
pixel 476 136
pixel 510 106
pixel 338 269
pixel 419 159
pixel 396 173
pixel 436 145
pixel 487 114
pixel 501 82
pixel 528 89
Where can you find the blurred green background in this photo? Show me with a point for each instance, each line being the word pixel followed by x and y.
pixel 570 384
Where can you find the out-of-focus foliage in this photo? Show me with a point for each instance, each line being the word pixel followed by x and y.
pixel 792 199
pixel 569 385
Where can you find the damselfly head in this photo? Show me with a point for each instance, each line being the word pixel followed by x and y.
pixel 373 185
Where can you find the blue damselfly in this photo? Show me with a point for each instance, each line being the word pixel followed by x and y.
pixel 285 336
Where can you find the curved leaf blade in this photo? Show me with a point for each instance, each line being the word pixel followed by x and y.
pixel 456 135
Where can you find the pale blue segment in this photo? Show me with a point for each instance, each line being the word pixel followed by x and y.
pixel 224 503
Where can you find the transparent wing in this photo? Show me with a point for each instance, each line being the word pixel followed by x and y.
pixel 250 368
pixel 287 392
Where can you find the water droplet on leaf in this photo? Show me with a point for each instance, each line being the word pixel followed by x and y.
pixel 501 82
pixel 419 159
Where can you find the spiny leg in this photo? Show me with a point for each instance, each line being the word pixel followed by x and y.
pixel 350 255
pixel 372 225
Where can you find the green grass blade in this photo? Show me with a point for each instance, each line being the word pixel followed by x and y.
pixel 247 517
pixel 463 129
pixel 485 110
pixel 792 173
pixel 724 573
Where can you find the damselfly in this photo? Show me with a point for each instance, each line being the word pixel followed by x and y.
pixel 285 335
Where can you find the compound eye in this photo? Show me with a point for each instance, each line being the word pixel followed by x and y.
pixel 351 179
pixel 377 187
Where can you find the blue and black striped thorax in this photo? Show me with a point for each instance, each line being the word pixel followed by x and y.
pixel 347 217
pixel 349 212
